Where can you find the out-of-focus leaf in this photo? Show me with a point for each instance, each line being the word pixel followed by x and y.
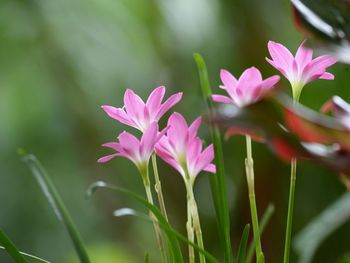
pixel 217 181
pixel 11 248
pixel 53 197
pixel 262 225
pixel 243 244
pixel 327 22
pixel 26 255
pixel 292 131
pixel 339 108
pixel 311 237
pixel 146 258
pixel 171 234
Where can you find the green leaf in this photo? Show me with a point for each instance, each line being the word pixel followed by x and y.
pixel 146 258
pixel 217 181
pixel 327 23
pixel 262 224
pixel 292 130
pixel 243 244
pixel 311 237
pixel 56 203
pixel 11 248
pixel 172 235
pixel 26 255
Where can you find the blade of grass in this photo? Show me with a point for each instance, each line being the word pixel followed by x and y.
pixel 26 255
pixel 217 181
pixel 11 248
pixel 243 244
pixel 321 227
pixel 56 203
pixel 263 223
pixel 171 234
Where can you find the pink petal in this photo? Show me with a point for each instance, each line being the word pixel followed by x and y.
pixel 107 158
pixel 211 168
pixel 177 132
pixel 272 63
pixel 113 145
pixel 205 158
pixel 155 99
pixel 193 151
pixel 222 99
pixel 317 67
pixel 165 156
pixel 249 80
pixel 270 82
pixel 281 56
pixel 148 140
pixel 228 79
pixel 169 103
pixel 117 114
pixel 193 129
pixel 303 56
pixel 130 144
pixel 134 106
pixel 327 75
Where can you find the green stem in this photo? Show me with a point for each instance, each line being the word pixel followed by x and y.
pixel 190 230
pixel 249 165
pixel 196 224
pixel 290 211
pixel 160 240
pixel 158 186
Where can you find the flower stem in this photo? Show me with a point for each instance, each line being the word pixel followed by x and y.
pixel 157 230
pixel 158 186
pixel 192 209
pixel 190 230
pixel 249 166
pixel 290 211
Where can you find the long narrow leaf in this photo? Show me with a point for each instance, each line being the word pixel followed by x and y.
pixel 217 181
pixel 171 234
pixel 263 223
pixel 311 237
pixel 243 244
pixel 26 255
pixel 57 204
pixel 11 248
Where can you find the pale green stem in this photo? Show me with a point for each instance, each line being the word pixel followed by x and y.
pixel 160 240
pixel 196 221
pixel 249 166
pixel 190 230
pixel 293 177
pixel 290 211
pixel 158 186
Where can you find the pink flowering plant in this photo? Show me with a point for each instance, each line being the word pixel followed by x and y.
pixel 250 104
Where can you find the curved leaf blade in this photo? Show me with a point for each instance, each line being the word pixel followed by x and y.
pixel 11 248
pixel 171 234
pixel 243 244
pixel 54 199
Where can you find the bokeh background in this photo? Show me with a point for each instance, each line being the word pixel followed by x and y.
pixel 61 60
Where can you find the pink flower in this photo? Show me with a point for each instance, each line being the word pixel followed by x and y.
pixel 249 88
pixel 182 148
pixel 138 114
pixel 301 69
pixel 139 152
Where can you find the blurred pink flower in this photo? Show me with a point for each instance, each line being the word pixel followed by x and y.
pixel 301 69
pixel 182 148
pixel 139 152
pixel 137 113
pixel 249 88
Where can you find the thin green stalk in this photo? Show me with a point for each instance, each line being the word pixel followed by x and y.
pixel 251 192
pixel 288 238
pixel 158 186
pixel 293 173
pixel 196 223
pixel 159 237
pixel 190 230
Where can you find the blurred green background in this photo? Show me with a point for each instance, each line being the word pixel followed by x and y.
pixel 61 60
